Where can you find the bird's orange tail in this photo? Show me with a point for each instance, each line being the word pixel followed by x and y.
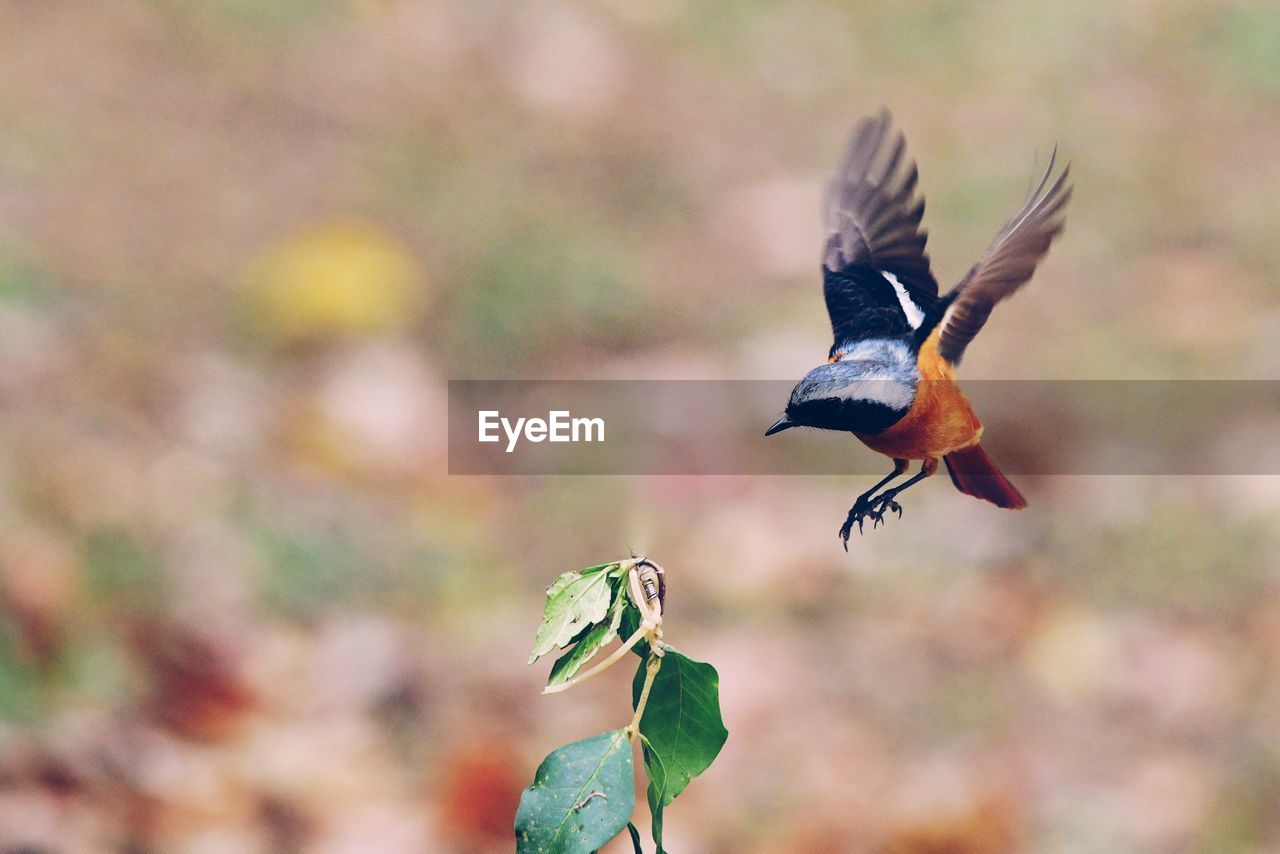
pixel 974 474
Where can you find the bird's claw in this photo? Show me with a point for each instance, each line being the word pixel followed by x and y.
pixel 882 505
pixel 875 509
pixel 857 513
pixel 847 528
pixel 888 505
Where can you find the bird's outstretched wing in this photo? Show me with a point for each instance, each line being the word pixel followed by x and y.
pixel 1007 264
pixel 876 276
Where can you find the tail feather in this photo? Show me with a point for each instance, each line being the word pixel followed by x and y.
pixel 974 474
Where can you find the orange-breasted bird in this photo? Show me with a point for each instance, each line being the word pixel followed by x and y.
pixel 890 378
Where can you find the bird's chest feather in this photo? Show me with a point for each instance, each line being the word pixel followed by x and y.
pixel 940 419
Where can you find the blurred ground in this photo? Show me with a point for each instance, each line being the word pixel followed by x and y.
pixel 244 244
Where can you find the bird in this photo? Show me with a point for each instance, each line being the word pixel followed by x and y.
pixel 890 376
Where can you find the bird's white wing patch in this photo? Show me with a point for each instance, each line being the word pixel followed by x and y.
pixel 915 316
pixel 885 390
pixel 889 376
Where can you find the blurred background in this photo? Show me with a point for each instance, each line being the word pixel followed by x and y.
pixel 245 243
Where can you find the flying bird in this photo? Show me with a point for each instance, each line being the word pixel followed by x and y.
pixel 890 377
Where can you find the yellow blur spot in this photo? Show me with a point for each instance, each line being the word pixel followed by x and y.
pixel 1073 654
pixel 321 444
pixel 334 279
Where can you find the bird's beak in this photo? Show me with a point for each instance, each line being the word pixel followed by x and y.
pixel 779 425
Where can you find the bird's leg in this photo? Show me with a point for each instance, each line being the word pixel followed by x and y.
pixel 885 501
pixel 862 506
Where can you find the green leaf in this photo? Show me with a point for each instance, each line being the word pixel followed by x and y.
pixel 582 796
pixel 682 718
pixel 630 623
pixel 657 774
pixel 596 638
pixel 635 838
pixel 575 601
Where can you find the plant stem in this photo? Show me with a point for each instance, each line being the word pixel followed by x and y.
pixel 650 673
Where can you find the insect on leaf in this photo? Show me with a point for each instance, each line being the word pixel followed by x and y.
pixel 582 796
